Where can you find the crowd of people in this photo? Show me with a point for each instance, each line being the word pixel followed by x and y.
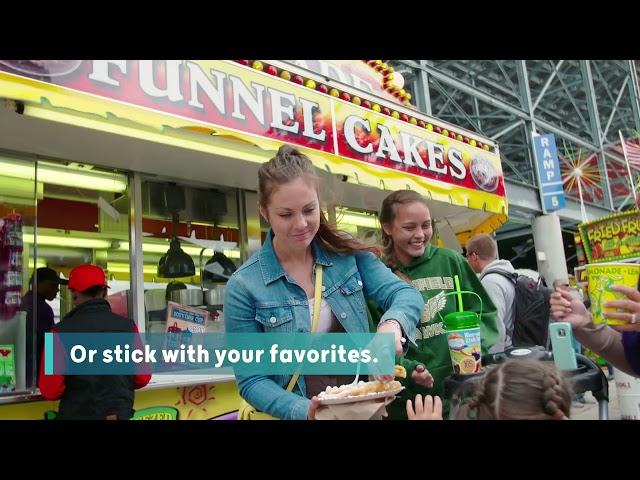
pixel 399 288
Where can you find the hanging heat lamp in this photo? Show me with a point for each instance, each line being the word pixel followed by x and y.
pixel 218 269
pixel 176 262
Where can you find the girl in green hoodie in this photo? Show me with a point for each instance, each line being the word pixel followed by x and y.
pixel 407 228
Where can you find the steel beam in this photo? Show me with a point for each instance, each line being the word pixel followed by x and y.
pixel 595 126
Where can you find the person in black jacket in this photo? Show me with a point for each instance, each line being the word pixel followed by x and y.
pixel 92 397
pixel 45 287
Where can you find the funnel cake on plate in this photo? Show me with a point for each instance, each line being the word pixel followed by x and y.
pixel 359 389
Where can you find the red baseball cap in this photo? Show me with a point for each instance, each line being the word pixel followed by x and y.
pixel 83 277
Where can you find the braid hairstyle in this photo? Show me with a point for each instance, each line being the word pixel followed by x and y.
pixel 520 390
pixel 289 164
pixel 554 400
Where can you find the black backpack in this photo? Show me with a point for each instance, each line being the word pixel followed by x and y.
pixel 532 310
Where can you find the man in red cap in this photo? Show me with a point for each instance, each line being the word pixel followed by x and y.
pixel 92 397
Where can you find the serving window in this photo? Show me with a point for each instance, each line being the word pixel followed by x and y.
pixel 191 237
pixel 58 215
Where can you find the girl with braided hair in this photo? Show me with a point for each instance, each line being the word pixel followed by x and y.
pixel 514 390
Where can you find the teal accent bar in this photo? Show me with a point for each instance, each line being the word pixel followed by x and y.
pixel 48 353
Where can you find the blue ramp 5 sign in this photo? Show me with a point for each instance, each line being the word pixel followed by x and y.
pixel 550 181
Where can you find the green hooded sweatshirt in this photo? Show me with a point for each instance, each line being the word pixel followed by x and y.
pixel 432 274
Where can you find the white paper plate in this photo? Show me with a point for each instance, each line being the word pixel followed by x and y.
pixel 359 398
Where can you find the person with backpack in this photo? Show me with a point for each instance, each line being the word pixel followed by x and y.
pixel 407 229
pixel 530 306
pixel 496 278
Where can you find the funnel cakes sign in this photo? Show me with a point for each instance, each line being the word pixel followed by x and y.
pixel 267 103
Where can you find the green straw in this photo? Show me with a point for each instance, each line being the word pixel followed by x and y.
pixel 456 280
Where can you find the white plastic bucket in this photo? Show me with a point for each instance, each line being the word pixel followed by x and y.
pixel 628 388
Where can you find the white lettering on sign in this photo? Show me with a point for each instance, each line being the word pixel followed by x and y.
pixel 411 155
pixel 210 85
pixel 172 87
pixel 307 115
pixel 436 156
pixel 100 72
pixel 350 125
pixel 198 81
pixel 456 164
pixel 254 102
pixel 332 71
pixel 387 145
pixel 282 104
pixel 216 92
pixel 418 152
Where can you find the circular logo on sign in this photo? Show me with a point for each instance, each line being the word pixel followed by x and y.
pixel 484 174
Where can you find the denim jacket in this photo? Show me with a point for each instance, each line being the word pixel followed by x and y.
pixel 261 297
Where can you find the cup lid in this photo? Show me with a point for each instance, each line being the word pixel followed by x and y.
pixel 464 319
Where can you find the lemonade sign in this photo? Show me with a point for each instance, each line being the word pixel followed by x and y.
pixel 612 238
pixel 601 278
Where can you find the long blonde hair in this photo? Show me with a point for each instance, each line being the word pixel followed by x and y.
pixel 521 390
pixel 289 164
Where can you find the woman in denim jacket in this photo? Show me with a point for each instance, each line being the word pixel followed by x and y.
pixel 273 291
